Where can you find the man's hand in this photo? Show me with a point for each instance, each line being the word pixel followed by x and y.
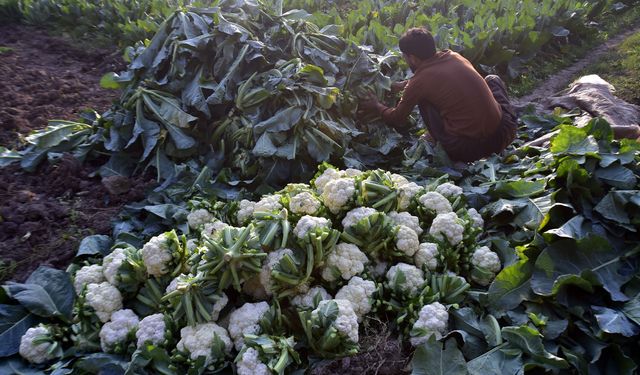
pixel 370 104
pixel 396 87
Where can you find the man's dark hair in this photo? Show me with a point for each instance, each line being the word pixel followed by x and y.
pixel 418 42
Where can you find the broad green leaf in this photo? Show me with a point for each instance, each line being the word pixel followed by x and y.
pixel 431 358
pixel 97 244
pixel 47 292
pixel 573 141
pixel 15 320
pixel 617 176
pixel 614 206
pixel 8 156
pixel 108 81
pixel 529 340
pixel 511 286
pixel 519 188
pixel 614 321
pixel 118 165
pixel 102 363
pixel 579 262
pixel 18 366
pixel 496 362
pixel 281 121
pixel 614 361
pixel 55 133
pixel 632 309
pixel 576 228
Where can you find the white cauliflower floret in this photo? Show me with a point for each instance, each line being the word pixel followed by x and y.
pixel 151 329
pixel 306 300
pixel 351 172
pixel 406 193
pixel 117 329
pixel 198 340
pixel 268 203
pixel 432 320
pixel 88 275
pixel 359 292
pixel 265 274
pixel 406 219
pixel 35 353
pixel 399 180
pixel 476 217
pixel 192 245
pixel 245 211
pixel 345 261
pixel 156 255
pixel 213 228
pixel 435 202
pixel 483 257
pixel 427 256
pixel 246 320
pixel 337 194
pixel 347 321
pixel 250 364
pixel 304 203
pixel 328 175
pixel 198 218
pixel 218 306
pixel 307 223
pixel 111 265
pixel 354 216
pixel 447 226
pixel 105 299
pixel 407 240
pixel 413 278
pixel 449 190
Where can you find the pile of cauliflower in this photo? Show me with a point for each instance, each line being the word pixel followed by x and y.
pixel 330 253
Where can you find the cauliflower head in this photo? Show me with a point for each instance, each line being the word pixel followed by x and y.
pixel 116 331
pixel 265 274
pixel 156 255
pixel 151 330
pixel 246 320
pixel 347 321
pixel 406 193
pixel 483 257
pixel 245 211
pixel 338 193
pixel 427 256
pixel 432 320
pixel 345 261
pixel 87 275
pixel 105 299
pixel 212 228
pixel 304 203
pixel 308 223
pixel 268 203
pixel 250 364
pixel 305 300
pixel 360 293
pixel 198 340
pixel 435 202
pixel 449 190
pixel 406 219
pixel 198 218
pixel 354 216
pixel 32 352
pixel 447 226
pixel 111 265
pixel 405 278
pixel 407 240
pixel 478 222
pixel 328 175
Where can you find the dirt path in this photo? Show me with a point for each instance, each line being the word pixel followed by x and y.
pixel 43 78
pixel 44 215
pixel 563 78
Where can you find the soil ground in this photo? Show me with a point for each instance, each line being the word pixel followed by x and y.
pixel 44 215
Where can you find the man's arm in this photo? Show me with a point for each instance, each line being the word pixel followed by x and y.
pixel 396 117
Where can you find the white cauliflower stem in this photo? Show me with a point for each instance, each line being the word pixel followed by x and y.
pixel 35 353
pixel 337 194
pixel 406 219
pixel 447 226
pixel 306 300
pixel 354 216
pixel 198 218
pixel 345 261
pixel 407 240
pixel 151 330
pixel 111 265
pixel 432 320
pixel 347 321
pixel 105 299
pixel 427 256
pixel 246 320
pixel 198 340
pixel 308 223
pixel 88 275
pixel 117 329
pixel 359 292
pixel 435 202
pixel 411 280
pixel 449 190
pixel 250 364
pixel 156 255
pixel 304 203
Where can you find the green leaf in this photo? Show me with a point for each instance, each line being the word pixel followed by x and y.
pixel 632 309
pixel 55 133
pixel 431 359
pixel 108 81
pixel 519 188
pixel 8 156
pixel 281 121
pixel 573 141
pixel 496 362
pixel 617 176
pixel 580 262
pixel 47 292
pixel 614 321
pixel 15 320
pixel 511 286
pixel 97 244
pixel 614 207
pixel 17 366
pixel 576 228
pixel 529 340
